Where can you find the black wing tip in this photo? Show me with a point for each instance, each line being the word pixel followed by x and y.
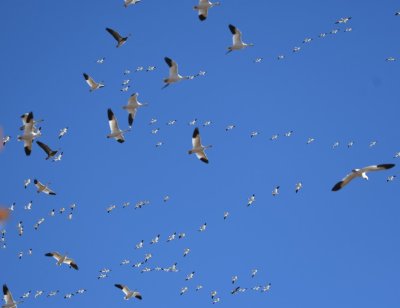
pixel 168 61
pixel 139 297
pixel 196 132
pixel 5 289
pixel 27 151
pixel 86 76
pixel 35 181
pixel 52 193
pixel 110 114
pixel 119 286
pixel 386 166
pixel 338 186
pixel 49 254
pixel 74 266
pixel 204 160
pixel 202 17
pixel 121 140
pixel 232 28
pixel 130 119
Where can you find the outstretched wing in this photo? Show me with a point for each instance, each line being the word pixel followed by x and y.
pixel 346 180
pixel 115 34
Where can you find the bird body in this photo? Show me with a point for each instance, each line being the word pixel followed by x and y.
pixel 198 148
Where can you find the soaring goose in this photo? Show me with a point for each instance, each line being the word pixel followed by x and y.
pixel 116 133
pixel 62 132
pixel 128 293
pixel 8 298
pixel 198 148
pixel 43 188
pixel 30 133
pixel 62 259
pixel 130 2
pixel 121 40
pixel 173 73
pixel 360 173
pixel 203 7
pixel 132 107
pixel 50 153
pixel 237 40
pixel 92 84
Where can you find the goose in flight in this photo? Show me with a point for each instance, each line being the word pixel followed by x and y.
pixel 121 40
pixel 299 186
pixel 343 20
pixel 173 73
pixel 30 133
pixel 6 139
pixel 62 259
pixel 62 132
pixel 26 183
pixel 116 133
pixel 92 84
pixel 128 293
pixel 275 192
pixel 43 188
pixel 132 107
pixel 237 40
pixel 198 148
pixel 8 298
pixel 360 173
pixel 130 2
pixel 203 7
pixel 50 153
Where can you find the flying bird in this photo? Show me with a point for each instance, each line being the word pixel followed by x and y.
pixel 50 153
pixel 128 293
pixel 132 107
pixel 203 7
pixel 198 148
pixel 116 133
pixel 360 173
pixel 121 40
pixel 173 73
pixel 62 132
pixel 62 259
pixel 43 188
pixel 92 84
pixel 8 298
pixel 30 132
pixel 130 2
pixel 237 40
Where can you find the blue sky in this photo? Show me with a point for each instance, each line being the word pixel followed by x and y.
pixel 315 247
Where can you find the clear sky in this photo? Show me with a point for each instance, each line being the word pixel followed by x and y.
pixel 317 248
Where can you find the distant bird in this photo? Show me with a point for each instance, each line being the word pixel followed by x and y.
pixel 171 122
pixel 254 273
pixel 226 214
pixel 125 89
pixel 150 68
pixel 116 133
pixel 335 145
pixel 237 40
pixel 299 186
pixel 198 148
pixel 120 40
pixel 254 134
pixel 125 262
pixel 189 276
pixel 166 198
pixel 171 237
pixel 203 227
pixel 310 140
pixel 397 13
pixel 20 254
pixel 38 293
pixel 289 133
pixel 27 182
pixel 50 153
pixel 230 127
pixel 102 276
pixel 128 293
pixel 127 72
pixel 43 188
pixel 132 107
pixel 258 60
pixel 62 210
pixel 62 259
pixel 207 123
pixel 234 279
pixel 275 192
pixel 173 73
pixel 155 240
pixel 100 61
pixel 350 144
pixel 216 300
pixel 251 200
pixel 28 206
pixel 235 290
pixel 62 132
pixel 146 270
pixel 58 157
pixel 53 212
pixel 80 291
pixel 181 235
pixel 192 122
pixel 130 2
pixel 68 295
pixel 6 139
pixel 334 31
pixel 390 178
pixel 296 49
pixel 53 293
pixel 396 155
pixel 266 288
pixel 213 294
pixel 307 40
pixel 390 59
pixel 139 245
pixel 281 57
pixel 348 29
pixel 139 69
pixel 343 20
pixel 184 290
pixel 186 252
pixel 372 144
pixel 147 257
pixel 360 173
pixel 38 223
pixel 203 7
pixel 92 84
pixel 274 137
pixel 110 208
pixel 8 298
pixel 30 133
pixel 199 287
pixel 125 82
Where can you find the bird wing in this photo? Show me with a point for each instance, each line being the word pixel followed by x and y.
pixel 48 191
pixel 131 116
pixel 237 35
pixel 137 295
pixel 203 13
pixel 173 67
pixel 7 295
pixel 196 141
pixel 346 180
pixel 39 185
pixel 28 146
pixel 114 33
pixel 132 101
pixel 202 156
pixel 89 80
pixel 44 147
pixel 124 288
pixel 71 263
pixel 112 121
pixel 377 167
pixel 54 254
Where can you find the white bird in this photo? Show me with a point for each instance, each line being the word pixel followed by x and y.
pixel 155 240
pixel 199 287
pixel 58 157
pixel 192 122
pixel 266 288
pixel 68 295
pixel 182 235
pixel 343 20
pixel 105 270
pixel 296 49
pixel 198 148
pixel 281 57
pixel 372 144
pixel 43 188
pixel 92 84
pixel 237 40
pixel 274 137
pixel 348 29
pixel 189 276
pixel 235 290
pixel 390 178
pixel 307 40
pixel 397 13
pixel 275 191
pixel 334 31
pixel 360 173
pixel 230 127
pixel 125 262
pixel 128 293
pixel 62 259
pixel 256 288
pixel 116 133
pixel 125 204
pixel 102 276
pixel 335 145
pixel 166 198
pixel 216 300
pixel 70 216
pixel 153 121
pixel 6 139
pixel 226 214
pixel 62 132
pixel 173 73
pixel 38 293
pixel 80 291
pixel 53 212
pixel 254 273
pixel 213 294
pixel 11 208
pixel 203 7
pixel 203 227
pixel 20 228
pixel 28 207
pixel 8 298
pixel 147 257
pixel 299 186
pixel 30 251
pixel 139 245
pixel 139 264
pixel 125 89
pixel 171 237
pixel 101 60
pixel 132 107
pixel 146 270
pixel 125 82
pixel 53 293
pixel 171 122
pixel 234 279
pixel 30 133
pixel 396 155
pixel 62 210
pixel 310 140
pixel 289 133
pixel 186 252
pixel 251 200
pixel 150 68
pixel 38 223
pixel 20 254
pixel 390 59
pixel 254 134
pixel 258 60
pixel 127 72
pixel 350 144
pixel 207 123
pixel 130 2
pixel 26 294
pixel 184 290
pixel 139 69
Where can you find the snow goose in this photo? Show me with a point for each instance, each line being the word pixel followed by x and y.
pixel 186 252
pixel 30 133
pixel 62 259
pixel 27 182
pixel 6 139
pixel 184 290
pixel 116 133
pixel 203 7
pixel 62 132
pixel 198 148
pixel 50 153
pixel 128 293
pixel 343 20
pixel 251 200
pixel 43 188
pixel 360 173
pixel 132 107
pixel 275 192
pixel 299 186
pixel 237 40
pixel 130 2
pixel 390 178
pixel 173 73
pixel 120 40
pixel 189 276
pixel 92 84
pixel 58 157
